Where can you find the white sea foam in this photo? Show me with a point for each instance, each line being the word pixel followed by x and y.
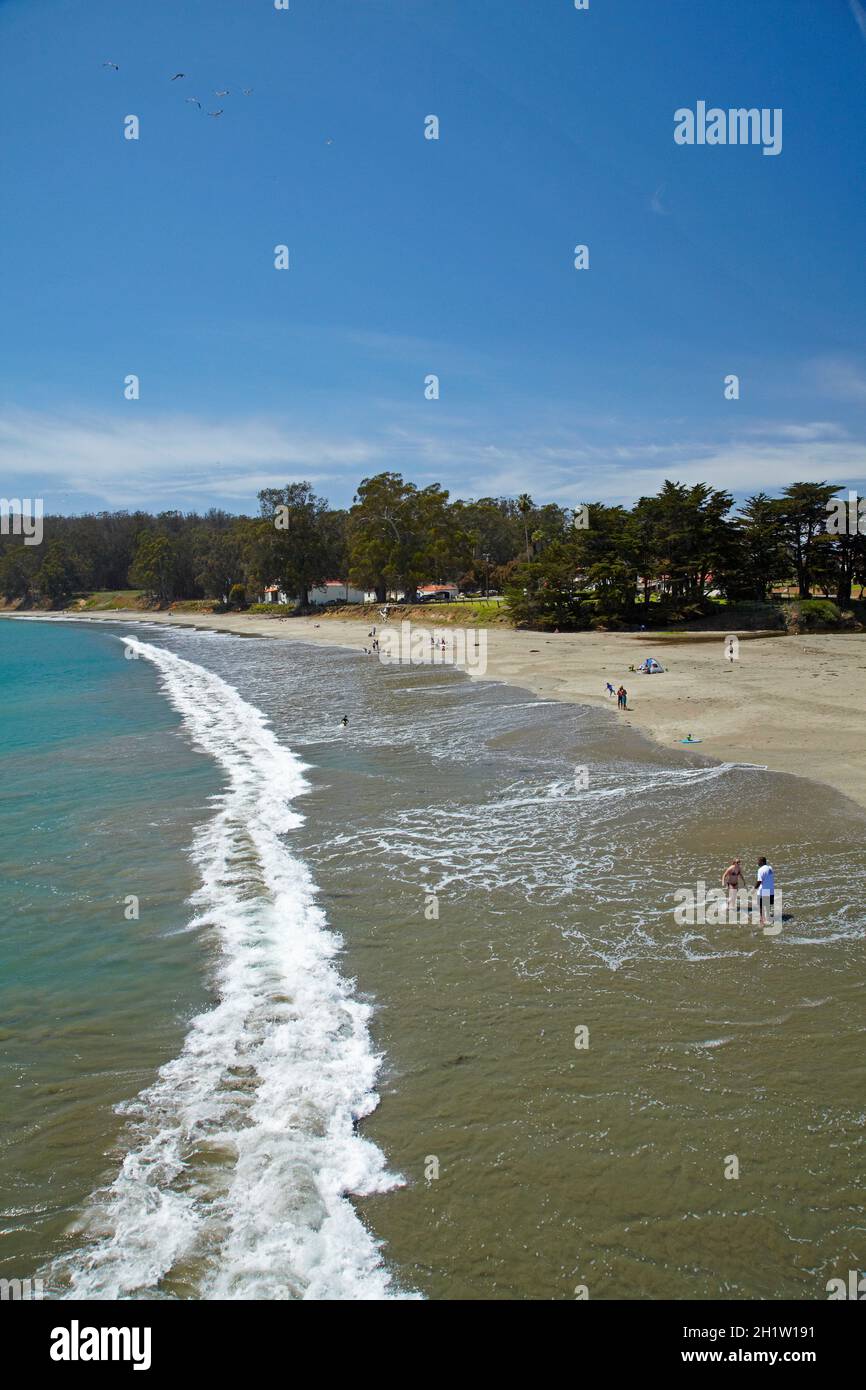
pixel 243 1150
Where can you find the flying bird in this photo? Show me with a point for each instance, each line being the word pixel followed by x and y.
pixel 247 91
pixel 216 113
pixel 177 75
pixel 195 101
pixel 226 93
pixel 115 66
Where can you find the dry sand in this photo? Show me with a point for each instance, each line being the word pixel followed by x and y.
pixel 793 704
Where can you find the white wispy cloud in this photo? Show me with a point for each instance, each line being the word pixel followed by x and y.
pixel 656 202
pixel 185 461
pixel 841 378
pixel 741 468
pixel 191 463
pixel 809 431
pixel 859 14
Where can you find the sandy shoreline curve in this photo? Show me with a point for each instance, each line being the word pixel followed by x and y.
pixel 794 704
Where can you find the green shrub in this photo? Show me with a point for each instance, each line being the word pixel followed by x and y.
pixel 812 615
pixel 273 610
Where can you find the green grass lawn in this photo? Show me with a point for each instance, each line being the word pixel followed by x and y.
pixel 109 598
pixel 472 612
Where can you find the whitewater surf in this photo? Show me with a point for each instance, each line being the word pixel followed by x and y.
pixel 242 1154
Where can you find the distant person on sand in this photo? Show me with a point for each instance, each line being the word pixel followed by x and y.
pixel 733 879
pixel 622 697
pixel 766 888
pixel 609 690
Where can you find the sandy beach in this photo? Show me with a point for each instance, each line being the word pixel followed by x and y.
pixel 792 704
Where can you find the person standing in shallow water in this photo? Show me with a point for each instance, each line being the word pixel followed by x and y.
pixel 766 889
pixel 733 879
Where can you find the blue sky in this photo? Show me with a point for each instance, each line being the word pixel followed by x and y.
pixel 411 257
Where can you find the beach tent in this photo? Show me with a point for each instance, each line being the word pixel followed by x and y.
pixel 650 667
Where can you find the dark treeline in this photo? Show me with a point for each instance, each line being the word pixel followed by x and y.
pixel 559 567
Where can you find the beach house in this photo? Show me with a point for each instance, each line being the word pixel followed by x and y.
pixel 336 591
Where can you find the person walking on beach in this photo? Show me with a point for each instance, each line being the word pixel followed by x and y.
pixel 609 690
pixel 733 879
pixel 766 889
pixel 622 697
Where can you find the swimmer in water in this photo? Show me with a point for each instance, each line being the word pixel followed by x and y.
pixel 344 721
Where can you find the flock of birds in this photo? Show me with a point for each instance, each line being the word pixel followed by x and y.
pixel 219 93
pixel 193 101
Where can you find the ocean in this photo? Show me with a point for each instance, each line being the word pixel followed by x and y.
pixel 401 1009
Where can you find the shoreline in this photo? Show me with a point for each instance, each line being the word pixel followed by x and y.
pixel 791 704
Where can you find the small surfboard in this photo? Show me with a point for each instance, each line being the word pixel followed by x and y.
pixel 691 740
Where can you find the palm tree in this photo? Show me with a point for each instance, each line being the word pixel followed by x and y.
pixel 524 506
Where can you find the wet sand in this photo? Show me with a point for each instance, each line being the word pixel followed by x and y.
pixel 792 704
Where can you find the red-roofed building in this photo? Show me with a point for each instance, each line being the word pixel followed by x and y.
pixel 440 591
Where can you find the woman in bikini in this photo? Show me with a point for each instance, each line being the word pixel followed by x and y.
pixel 733 879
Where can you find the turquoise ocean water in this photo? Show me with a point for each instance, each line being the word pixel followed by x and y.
pixel 99 797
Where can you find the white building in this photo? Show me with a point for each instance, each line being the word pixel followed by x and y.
pixel 332 591
pixel 335 591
